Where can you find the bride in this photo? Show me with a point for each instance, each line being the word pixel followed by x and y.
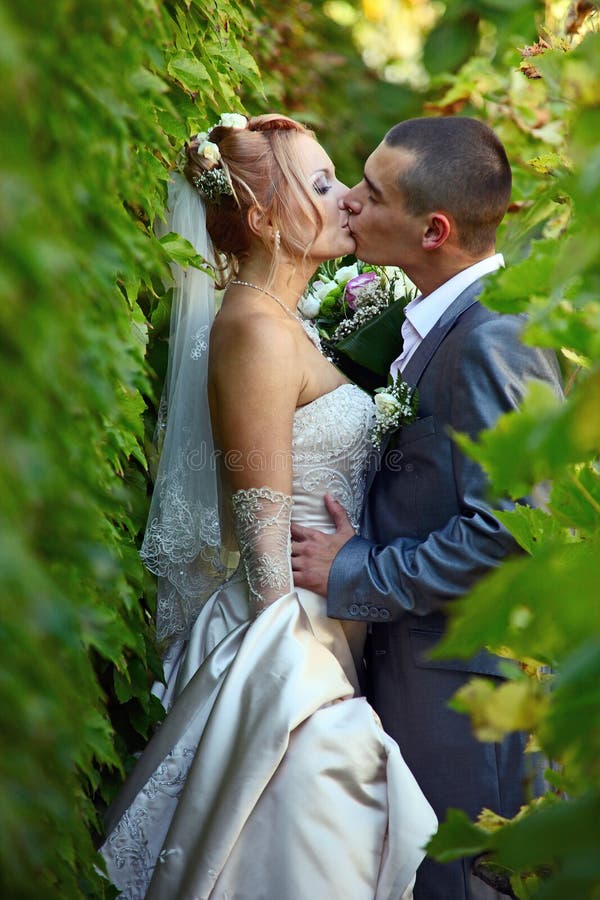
pixel 271 776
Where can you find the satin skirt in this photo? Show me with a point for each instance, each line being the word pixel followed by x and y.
pixel 269 778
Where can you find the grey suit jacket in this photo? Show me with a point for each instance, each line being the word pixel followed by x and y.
pixel 429 532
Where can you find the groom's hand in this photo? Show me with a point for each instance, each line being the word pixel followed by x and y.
pixel 313 552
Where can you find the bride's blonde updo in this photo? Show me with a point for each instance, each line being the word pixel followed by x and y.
pixel 263 167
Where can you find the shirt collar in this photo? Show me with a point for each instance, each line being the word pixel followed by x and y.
pixel 424 312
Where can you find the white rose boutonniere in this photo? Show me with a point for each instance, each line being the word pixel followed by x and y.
pixel 395 405
pixel 386 403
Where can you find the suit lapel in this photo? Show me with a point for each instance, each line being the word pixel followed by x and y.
pixel 375 462
pixel 418 362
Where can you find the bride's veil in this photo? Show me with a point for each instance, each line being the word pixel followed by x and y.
pixel 184 543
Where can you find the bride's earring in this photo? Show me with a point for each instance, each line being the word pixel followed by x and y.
pixel 277 241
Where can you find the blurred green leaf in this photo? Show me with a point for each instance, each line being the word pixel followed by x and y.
pixel 450 44
pixel 550 436
pixel 456 837
pixel 541 606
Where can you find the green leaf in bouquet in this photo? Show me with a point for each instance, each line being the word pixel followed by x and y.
pixel 376 344
pixel 329 303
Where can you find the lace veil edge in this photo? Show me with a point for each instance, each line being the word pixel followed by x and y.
pixel 188 542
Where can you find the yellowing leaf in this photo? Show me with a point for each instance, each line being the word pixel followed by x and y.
pixel 496 711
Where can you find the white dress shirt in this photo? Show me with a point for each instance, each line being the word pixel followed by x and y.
pixel 422 313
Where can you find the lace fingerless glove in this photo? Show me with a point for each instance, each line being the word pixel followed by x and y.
pixel 261 519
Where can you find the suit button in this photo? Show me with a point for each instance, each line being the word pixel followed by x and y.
pixel 409 467
pixel 384 613
pixel 364 610
pixel 374 612
pixel 353 610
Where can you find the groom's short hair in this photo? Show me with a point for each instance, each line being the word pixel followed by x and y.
pixel 460 166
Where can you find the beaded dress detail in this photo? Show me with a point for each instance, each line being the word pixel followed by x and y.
pixel 271 778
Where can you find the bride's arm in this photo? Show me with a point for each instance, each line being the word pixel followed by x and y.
pixel 254 386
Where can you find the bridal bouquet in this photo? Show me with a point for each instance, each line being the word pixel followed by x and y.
pixel 358 310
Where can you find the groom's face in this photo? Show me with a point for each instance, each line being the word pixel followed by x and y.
pixel 384 232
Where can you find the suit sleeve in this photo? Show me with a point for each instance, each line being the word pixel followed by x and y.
pixel 374 582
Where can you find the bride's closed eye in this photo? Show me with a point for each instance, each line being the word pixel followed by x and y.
pixel 321 186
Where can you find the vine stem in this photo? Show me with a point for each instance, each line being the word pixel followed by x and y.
pixel 571 381
pixel 585 493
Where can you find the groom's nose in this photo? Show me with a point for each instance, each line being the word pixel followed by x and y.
pixel 348 202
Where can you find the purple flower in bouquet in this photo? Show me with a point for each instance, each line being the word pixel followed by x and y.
pixel 342 299
pixel 356 286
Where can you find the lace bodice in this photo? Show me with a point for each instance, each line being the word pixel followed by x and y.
pixel 331 449
pixel 330 452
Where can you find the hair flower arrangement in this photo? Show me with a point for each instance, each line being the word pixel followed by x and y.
pixel 214 183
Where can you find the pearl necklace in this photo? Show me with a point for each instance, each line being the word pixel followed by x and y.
pixel 308 327
pixel 290 312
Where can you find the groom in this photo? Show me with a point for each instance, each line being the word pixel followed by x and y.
pixel 431 198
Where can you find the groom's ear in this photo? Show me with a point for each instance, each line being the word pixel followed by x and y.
pixel 437 231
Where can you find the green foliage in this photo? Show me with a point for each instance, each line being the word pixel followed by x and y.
pixel 311 70
pixel 95 101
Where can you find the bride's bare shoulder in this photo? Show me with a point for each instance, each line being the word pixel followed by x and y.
pixel 254 371
pixel 243 335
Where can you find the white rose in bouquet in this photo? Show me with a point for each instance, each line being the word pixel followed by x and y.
pixel 309 305
pixel 344 273
pixel 321 288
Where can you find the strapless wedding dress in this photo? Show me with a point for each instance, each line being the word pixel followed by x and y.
pixel 271 778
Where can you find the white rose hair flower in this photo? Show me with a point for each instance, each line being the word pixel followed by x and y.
pixel 214 183
pixel 209 151
pixel 233 120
